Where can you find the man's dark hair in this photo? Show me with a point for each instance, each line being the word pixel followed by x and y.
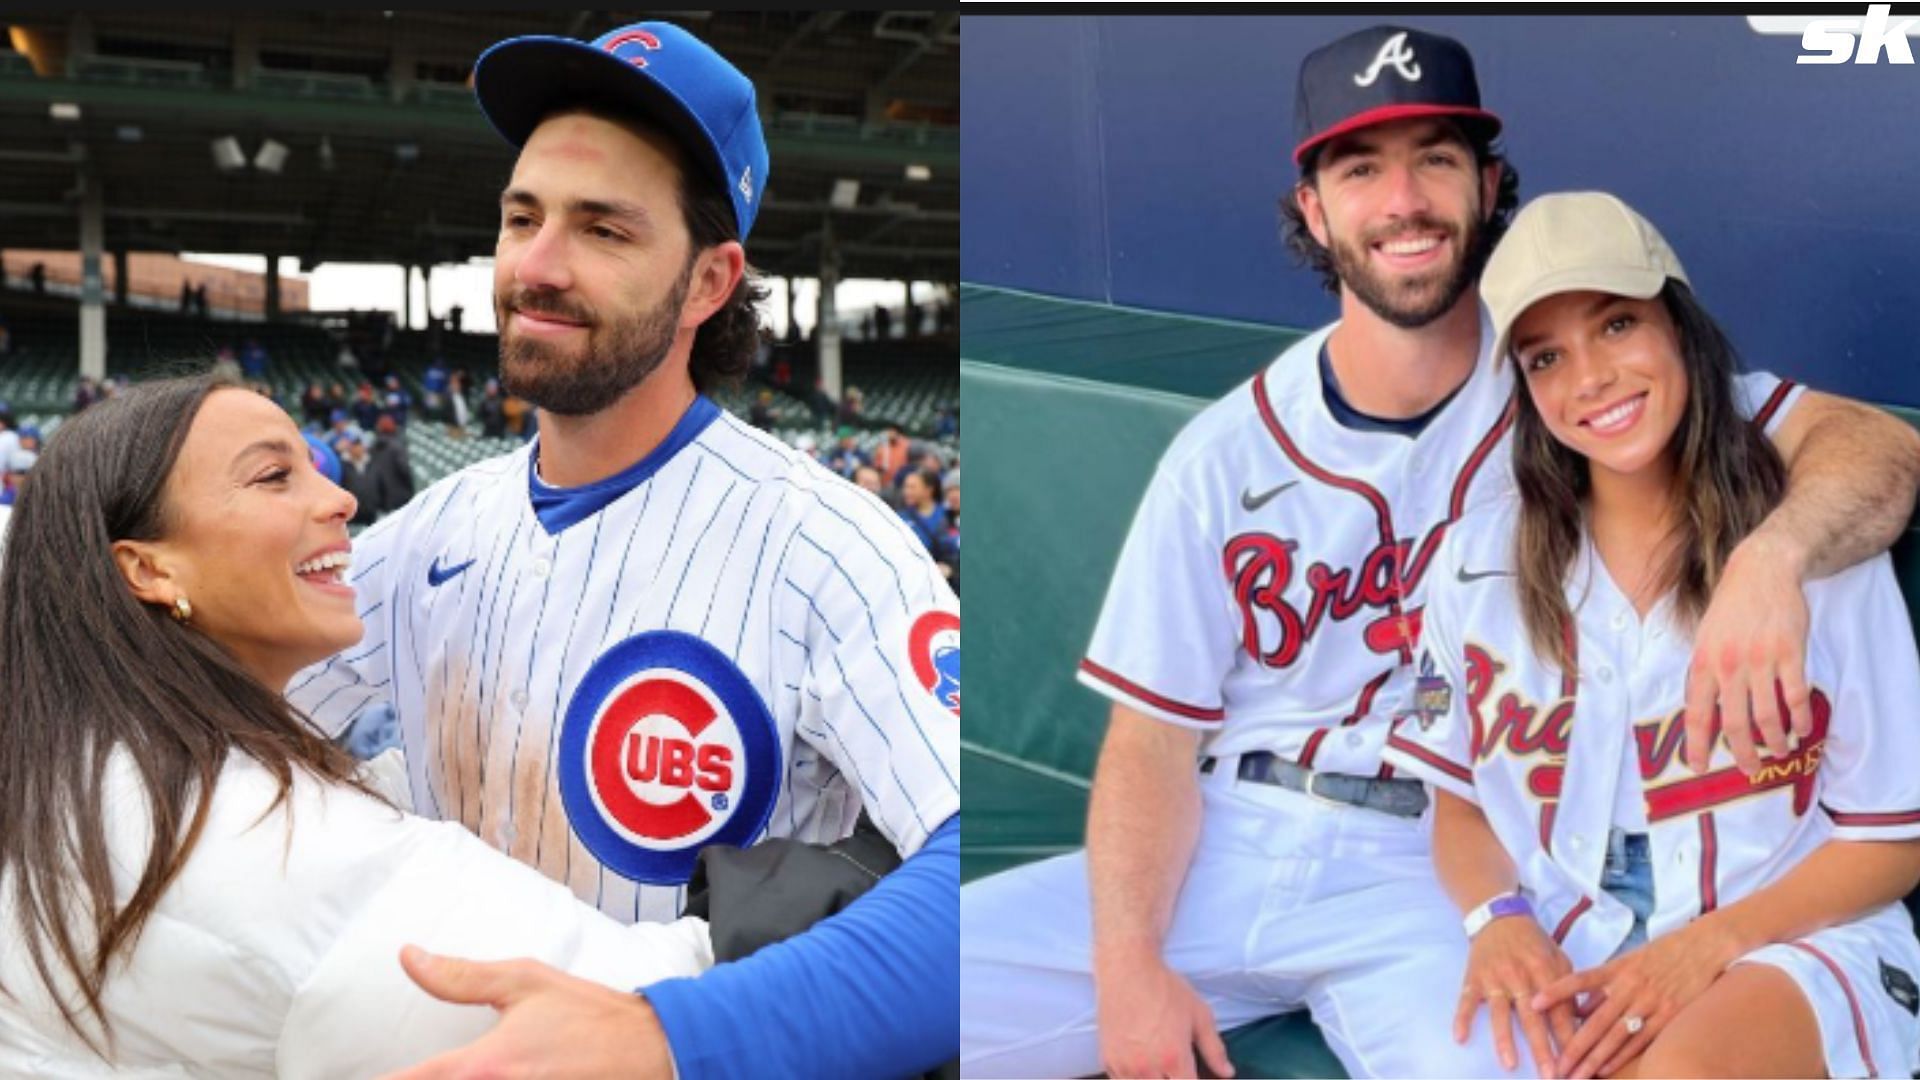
pixel 1312 254
pixel 724 346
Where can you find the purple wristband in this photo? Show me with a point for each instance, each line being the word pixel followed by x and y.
pixel 1497 908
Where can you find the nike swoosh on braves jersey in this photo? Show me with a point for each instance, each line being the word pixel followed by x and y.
pixel 1251 502
pixel 437 577
pixel 1468 577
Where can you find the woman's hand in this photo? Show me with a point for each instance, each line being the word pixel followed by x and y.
pixel 1509 961
pixel 1630 998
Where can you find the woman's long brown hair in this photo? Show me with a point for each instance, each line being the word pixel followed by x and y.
pixel 86 669
pixel 1727 479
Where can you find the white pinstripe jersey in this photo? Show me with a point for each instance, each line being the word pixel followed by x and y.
pixel 721 643
pixel 1270 591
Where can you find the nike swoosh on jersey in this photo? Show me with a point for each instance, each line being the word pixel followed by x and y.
pixel 437 577
pixel 1468 577
pixel 1251 502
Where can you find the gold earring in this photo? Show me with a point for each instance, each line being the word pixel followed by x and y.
pixel 182 610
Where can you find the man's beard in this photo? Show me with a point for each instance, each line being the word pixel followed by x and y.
pixel 1413 302
pixel 616 357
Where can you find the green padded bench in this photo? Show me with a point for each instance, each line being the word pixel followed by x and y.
pixel 1053 513
pixel 1066 459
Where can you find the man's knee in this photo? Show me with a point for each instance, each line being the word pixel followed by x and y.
pixel 1409 1052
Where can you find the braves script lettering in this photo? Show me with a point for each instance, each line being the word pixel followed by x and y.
pixel 1521 728
pixel 1261 567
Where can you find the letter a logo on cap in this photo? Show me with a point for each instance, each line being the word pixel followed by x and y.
pixel 1395 52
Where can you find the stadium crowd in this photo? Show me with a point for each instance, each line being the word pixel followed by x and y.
pixel 358 427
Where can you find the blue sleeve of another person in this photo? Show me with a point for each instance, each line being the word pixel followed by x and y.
pixel 871 991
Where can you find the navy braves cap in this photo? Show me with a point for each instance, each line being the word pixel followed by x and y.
pixel 655 69
pixel 1384 73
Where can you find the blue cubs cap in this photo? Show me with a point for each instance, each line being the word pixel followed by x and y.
pixel 1380 74
pixel 654 69
pixel 324 459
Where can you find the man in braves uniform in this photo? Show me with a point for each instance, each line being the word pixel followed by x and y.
pixel 1264 617
pixel 657 628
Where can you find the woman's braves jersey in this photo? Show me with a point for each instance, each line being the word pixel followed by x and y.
pixel 720 643
pixel 1270 591
pixel 1544 754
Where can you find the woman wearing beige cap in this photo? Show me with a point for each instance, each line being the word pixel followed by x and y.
pixel 1633 910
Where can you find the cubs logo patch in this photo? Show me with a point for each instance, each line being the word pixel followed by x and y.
pixel 666 747
pixel 1432 694
pixel 621 45
pixel 933 645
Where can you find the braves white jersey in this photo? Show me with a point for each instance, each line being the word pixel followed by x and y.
pixel 1542 753
pixel 1270 592
pixel 720 643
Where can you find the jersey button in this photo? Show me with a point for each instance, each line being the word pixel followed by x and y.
pixel 1606 674
pixel 519 699
pixel 1353 738
pixel 1576 842
pixel 542 567
pixel 1619 620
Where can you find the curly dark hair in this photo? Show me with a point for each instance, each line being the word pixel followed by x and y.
pixel 724 346
pixel 1310 253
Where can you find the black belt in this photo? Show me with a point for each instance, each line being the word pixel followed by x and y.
pixel 1401 798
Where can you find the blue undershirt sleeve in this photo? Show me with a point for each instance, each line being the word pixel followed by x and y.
pixel 871 991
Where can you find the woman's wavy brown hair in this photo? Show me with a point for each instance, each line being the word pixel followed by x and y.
pixel 1728 478
pixel 87 670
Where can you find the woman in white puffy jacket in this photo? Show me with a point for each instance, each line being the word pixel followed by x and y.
pixel 193 882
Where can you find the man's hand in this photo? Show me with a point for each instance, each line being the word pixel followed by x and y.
pixel 1142 823
pixel 551 1024
pixel 1752 639
pixel 1150 1021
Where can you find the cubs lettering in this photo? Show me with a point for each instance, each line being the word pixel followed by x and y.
pixel 665 747
pixel 678 763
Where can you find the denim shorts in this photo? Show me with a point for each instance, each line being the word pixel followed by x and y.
pixel 1629 879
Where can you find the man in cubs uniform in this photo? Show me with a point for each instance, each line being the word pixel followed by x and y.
pixel 657 628
pixel 1264 618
